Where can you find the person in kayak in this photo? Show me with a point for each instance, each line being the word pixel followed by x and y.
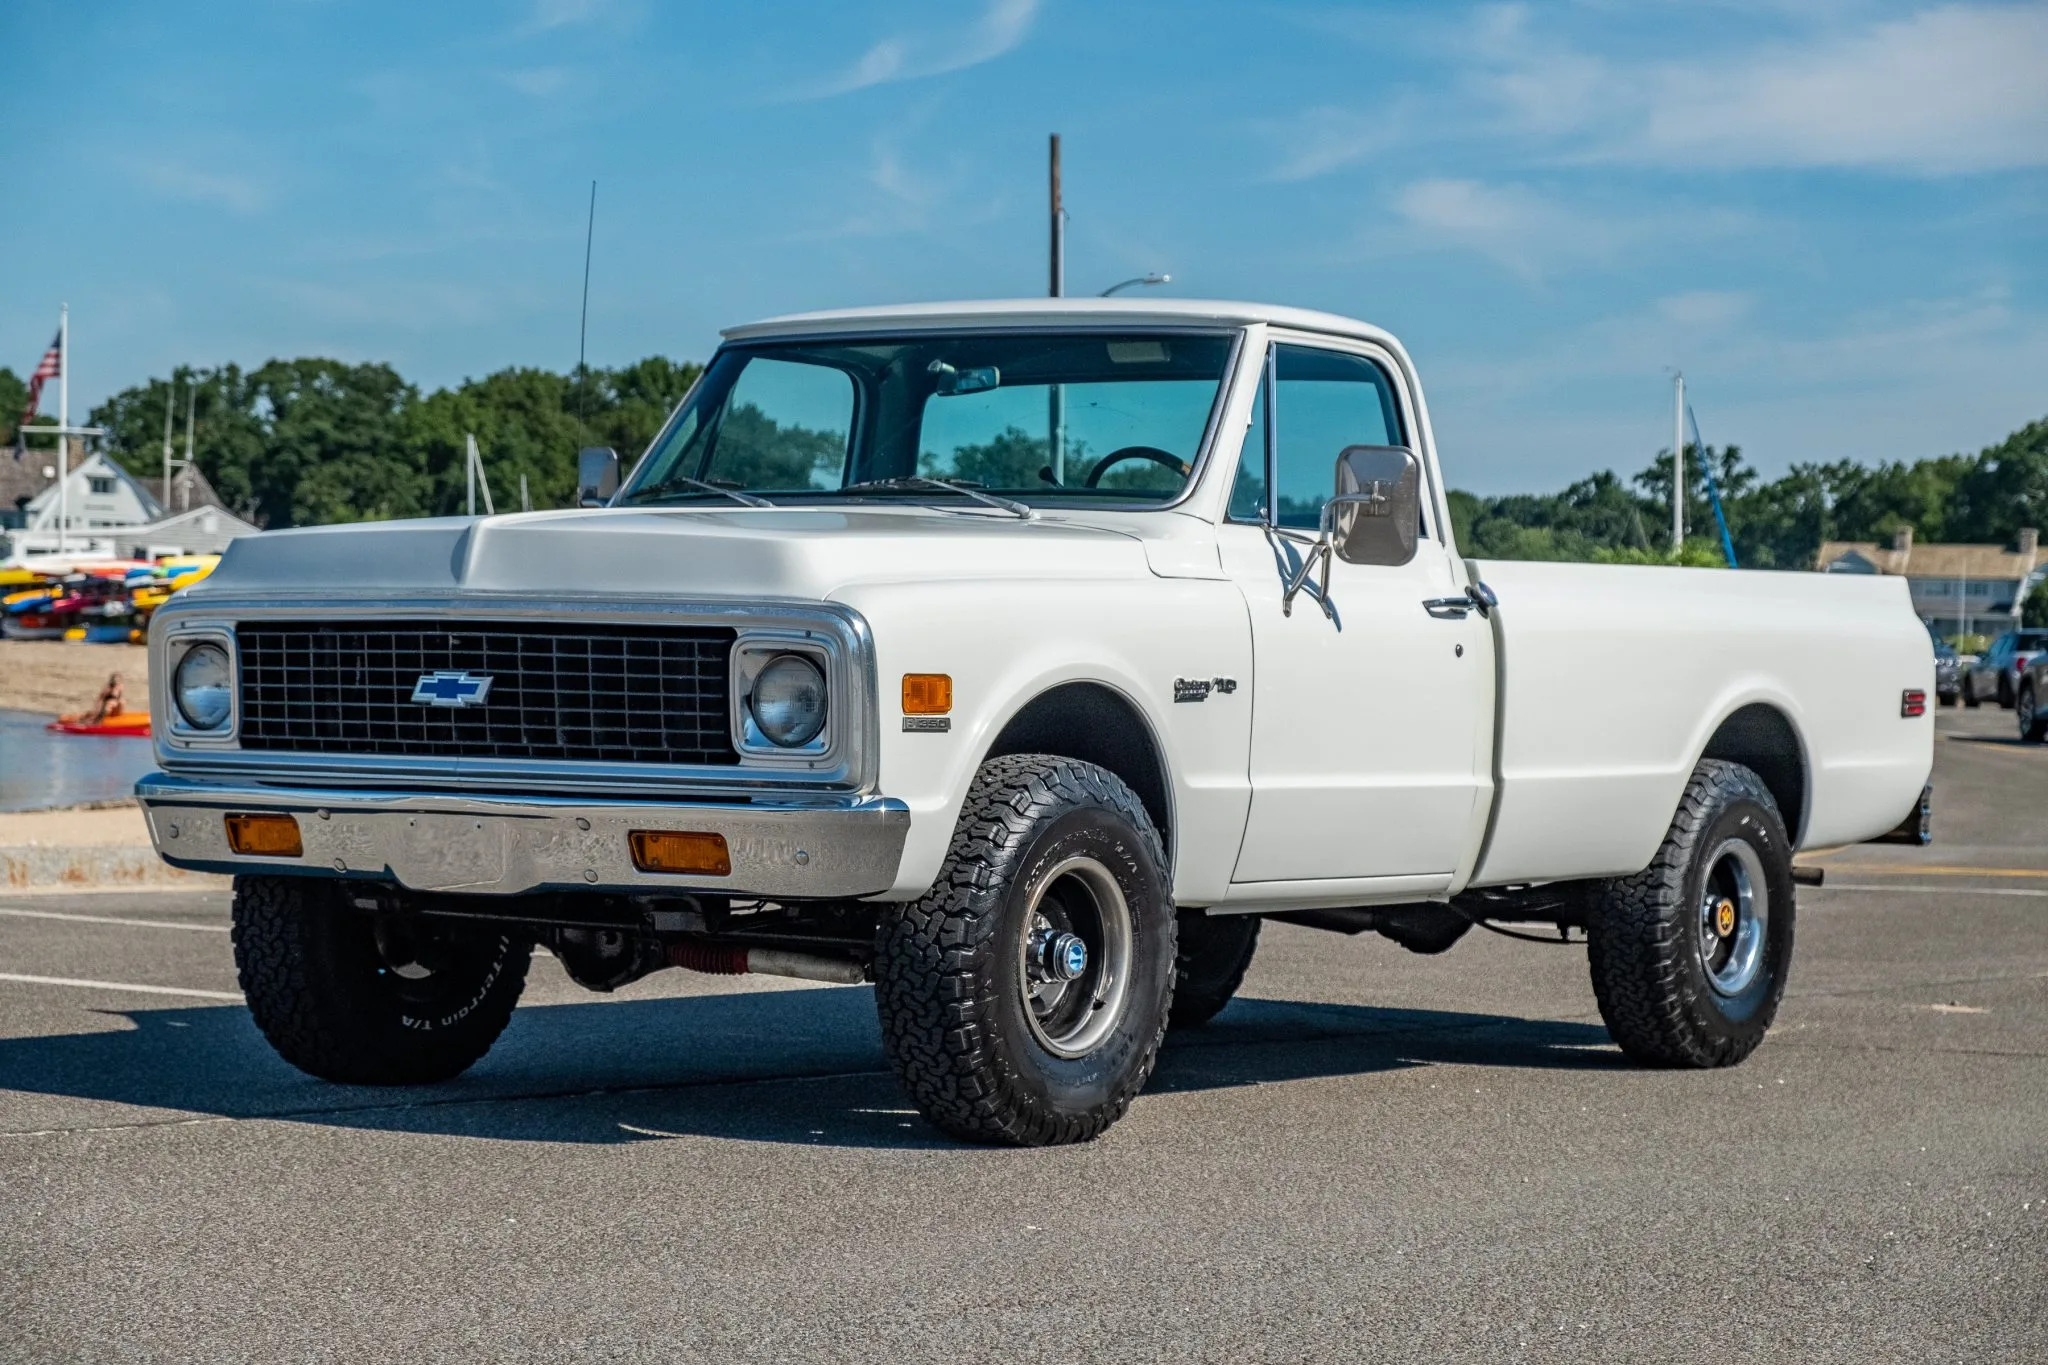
pixel 108 706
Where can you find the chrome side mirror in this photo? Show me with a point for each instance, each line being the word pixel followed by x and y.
pixel 1377 511
pixel 1374 517
pixel 597 475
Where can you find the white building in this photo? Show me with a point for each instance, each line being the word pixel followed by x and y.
pixel 110 511
pixel 1957 589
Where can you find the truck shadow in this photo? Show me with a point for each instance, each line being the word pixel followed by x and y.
pixel 797 1066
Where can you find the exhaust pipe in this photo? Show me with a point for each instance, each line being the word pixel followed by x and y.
pixel 724 959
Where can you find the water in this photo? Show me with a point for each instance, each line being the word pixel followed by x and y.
pixel 39 769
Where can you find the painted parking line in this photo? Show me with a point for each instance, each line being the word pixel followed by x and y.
pixel 115 919
pixel 1932 870
pixel 1928 891
pixel 120 986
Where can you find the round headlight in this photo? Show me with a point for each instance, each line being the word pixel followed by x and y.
pixel 201 685
pixel 788 703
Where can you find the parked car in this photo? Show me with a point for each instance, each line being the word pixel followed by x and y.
pixel 1997 673
pixel 2031 700
pixel 1948 672
pixel 883 667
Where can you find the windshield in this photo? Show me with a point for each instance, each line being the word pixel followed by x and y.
pixel 1045 419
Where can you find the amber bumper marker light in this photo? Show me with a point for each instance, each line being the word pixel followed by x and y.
pixel 264 836
pixel 660 850
pixel 927 694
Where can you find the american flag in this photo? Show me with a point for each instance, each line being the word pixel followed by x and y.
pixel 51 366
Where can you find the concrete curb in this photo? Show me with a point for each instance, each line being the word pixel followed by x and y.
pixel 31 868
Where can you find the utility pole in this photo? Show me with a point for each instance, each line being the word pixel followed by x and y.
pixel 1059 227
pixel 170 401
pixel 64 429
pixel 1678 465
pixel 191 420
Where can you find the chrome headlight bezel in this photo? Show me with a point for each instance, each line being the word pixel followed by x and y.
pixel 179 646
pixel 754 652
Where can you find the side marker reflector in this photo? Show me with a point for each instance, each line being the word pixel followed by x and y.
pixel 927 694
pixel 1913 702
pixel 659 850
pixel 264 836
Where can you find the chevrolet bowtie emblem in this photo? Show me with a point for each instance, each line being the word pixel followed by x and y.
pixel 451 689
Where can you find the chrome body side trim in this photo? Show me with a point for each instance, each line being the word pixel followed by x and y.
pixel 837 633
pixel 800 848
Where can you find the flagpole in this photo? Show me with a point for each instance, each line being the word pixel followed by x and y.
pixel 63 428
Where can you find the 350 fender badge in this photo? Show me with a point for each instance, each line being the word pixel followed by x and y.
pixel 927 725
pixel 1198 689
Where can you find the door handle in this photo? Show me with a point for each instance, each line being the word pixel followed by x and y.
pixel 1449 608
pixel 1478 597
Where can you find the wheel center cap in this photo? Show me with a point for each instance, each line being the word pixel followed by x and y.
pixel 1724 917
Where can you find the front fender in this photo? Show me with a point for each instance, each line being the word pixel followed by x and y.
pixel 1007 642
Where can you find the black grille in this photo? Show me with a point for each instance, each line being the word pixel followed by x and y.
pixel 596 693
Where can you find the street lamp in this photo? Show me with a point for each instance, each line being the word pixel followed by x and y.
pixel 1137 280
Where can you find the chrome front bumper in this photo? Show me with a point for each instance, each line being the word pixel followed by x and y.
pixel 507 845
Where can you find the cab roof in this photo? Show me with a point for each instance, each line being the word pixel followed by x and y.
pixel 1137 312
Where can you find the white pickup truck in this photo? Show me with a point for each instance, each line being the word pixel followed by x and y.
pixel 1020 658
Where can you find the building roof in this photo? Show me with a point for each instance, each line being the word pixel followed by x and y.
pixel 23 478
pixel 1041 311
pixel 189 487
pixel 1982 562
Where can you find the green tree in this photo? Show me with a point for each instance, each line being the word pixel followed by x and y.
pixel 13 398
pixel 2034 611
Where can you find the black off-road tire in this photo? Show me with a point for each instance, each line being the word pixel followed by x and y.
pixel 1215 952
pixel 1643 938
pixel 1970 697
pixel 2033 720
pixel 326 996
pixel 947 966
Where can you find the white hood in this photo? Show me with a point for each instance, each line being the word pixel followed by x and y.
pixel 783 552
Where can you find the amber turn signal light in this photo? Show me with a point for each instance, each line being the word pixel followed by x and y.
pixel 927 694
pixel 264 836
pixel 660 850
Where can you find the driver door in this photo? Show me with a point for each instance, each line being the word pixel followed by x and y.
pixel 1369 755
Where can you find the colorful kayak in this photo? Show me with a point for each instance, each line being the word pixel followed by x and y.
pixel 127 723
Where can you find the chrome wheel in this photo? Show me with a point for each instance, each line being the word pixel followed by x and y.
pixel 1075 966
pixel 1734 917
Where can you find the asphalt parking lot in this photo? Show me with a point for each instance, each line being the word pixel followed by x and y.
pixel 1369 1156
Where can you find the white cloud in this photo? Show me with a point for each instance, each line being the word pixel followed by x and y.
pixel 1953 89
pixel 1514 227
pixel 1706 308
pixel 180 181
pixel 544 15
pixel 909 56
pixel 537 81
pixel 1328 138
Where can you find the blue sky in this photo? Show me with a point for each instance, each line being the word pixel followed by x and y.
pixel 1833 215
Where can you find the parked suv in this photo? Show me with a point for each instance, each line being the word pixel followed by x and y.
pixel 2031 700
pixel 1997 672
pixel 1948 672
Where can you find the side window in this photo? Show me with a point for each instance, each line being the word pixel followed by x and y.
pixel 1326 400
pixel 785 425
pixel 1248 499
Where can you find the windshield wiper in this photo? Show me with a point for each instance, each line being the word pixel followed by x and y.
pixel 747 499
pixel 916 482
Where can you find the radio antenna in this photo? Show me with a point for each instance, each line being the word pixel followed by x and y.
pixel 583 324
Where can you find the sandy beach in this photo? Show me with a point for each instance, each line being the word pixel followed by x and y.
pixel 55 676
